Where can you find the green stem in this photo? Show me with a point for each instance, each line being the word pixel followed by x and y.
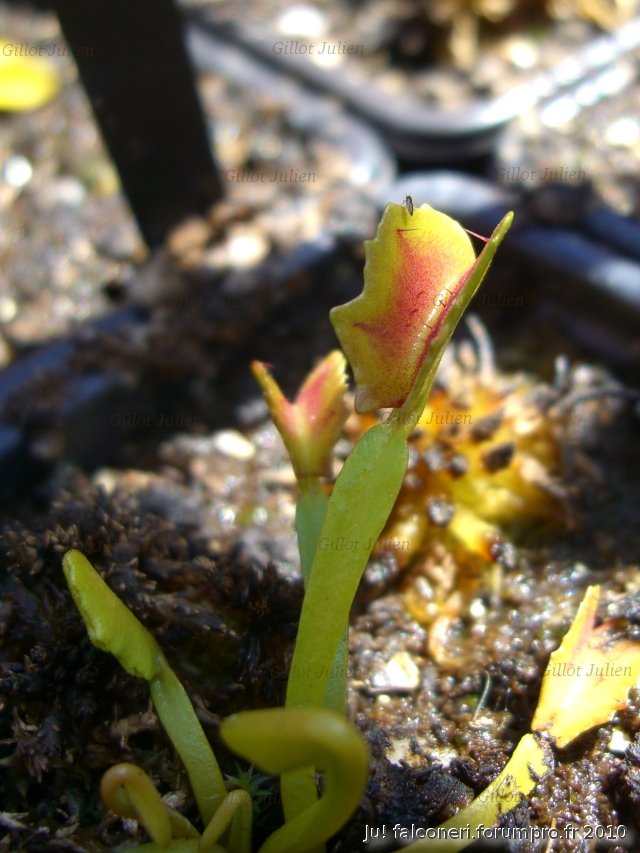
pixel 310 511
pixel 185 732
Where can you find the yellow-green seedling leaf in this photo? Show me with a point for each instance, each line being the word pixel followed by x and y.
pixel 360 504
pixel 588 678
pixel 530 762
pixel 26 82
pixel 416 270
pixel 186 734
pixel 283 739
pixel 236 809
pixel 311 425
pixel 129 792
pixel 113 628
pixel 111 625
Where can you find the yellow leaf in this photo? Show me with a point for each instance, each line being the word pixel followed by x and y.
pixel 588 678
pixel 26 82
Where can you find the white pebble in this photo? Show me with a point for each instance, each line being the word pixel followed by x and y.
pixel 230 443
pixel 17 171
pixel 302 20
pixel 623 133
pixel 401 673
pixel 8 309
pixel 246 248
pixel 65 190
pixel 619 741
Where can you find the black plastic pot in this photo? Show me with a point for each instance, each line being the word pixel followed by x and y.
pixel 374 167
pixel 25 439
pixel 422 133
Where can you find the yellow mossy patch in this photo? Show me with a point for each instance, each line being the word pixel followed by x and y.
pixel 588 678
pixel 26 82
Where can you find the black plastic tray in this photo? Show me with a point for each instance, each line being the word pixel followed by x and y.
pixel 85 394
pixel 422 133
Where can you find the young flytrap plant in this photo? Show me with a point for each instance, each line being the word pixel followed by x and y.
pixel 279 740
pixel 420 273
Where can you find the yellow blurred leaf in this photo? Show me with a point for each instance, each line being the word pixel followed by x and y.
pixel 26 82
pixel 588 678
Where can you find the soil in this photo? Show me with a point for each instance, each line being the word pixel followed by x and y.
pixel 194 530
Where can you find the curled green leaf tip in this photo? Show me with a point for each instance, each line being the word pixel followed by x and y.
pixel 284 739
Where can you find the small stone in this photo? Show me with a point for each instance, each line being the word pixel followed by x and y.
pixel 458 465
pixel 284 476
pixel 619 741
pixel 66 191
pixel 434 458
pixel 233 445
pixel 485 428
pixel 246 247
pixel 252 411
pixel 17 171
pixel 192 234
pixel 304 20
pixel 8 309
pixel 522 52
pixel 623 133
pixel 107 478
pixel 505 554
pixel 499 457
pixel 477 610
pixel 400 674
pixel 440 511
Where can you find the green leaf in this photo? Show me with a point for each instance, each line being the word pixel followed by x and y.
pixel 113 628
pixel 360 504
pixel 111 625
pixel 283 739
